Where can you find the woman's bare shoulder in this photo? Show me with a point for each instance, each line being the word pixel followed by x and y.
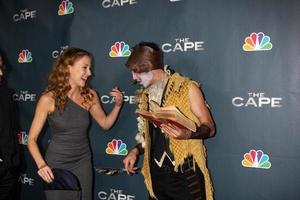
pixel 47 101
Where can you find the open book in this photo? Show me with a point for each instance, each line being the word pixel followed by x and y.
pixel 169 114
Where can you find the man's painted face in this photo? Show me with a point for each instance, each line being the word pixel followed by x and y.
pixel 143 78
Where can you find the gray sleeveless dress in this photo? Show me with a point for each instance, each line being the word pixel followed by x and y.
pixel 69 149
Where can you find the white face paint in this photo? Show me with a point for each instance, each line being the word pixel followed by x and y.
pixel 146 78
pixel 143 78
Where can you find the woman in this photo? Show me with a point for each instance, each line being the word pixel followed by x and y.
pixel 67 102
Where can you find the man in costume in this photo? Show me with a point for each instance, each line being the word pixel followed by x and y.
pixel 174 165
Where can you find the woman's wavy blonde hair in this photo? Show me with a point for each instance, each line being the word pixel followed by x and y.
pixel 58 80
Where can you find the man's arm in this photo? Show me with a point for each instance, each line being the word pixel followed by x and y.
pixel 131 159
pixel 200 110
pixel 140 149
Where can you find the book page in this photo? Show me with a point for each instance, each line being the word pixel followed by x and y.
pixel 168 115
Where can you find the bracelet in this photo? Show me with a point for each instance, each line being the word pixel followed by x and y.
pixel 140 148
pixel 202 132
pixel 42 166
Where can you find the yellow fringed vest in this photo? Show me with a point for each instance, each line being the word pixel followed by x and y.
pixel 177 93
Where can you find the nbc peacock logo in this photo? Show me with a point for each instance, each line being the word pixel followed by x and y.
pixel 119 49
pixel 22 138
pixel 25 56
pixel 256 159
pixel 116 147
pixel 65 8
pixel 257 42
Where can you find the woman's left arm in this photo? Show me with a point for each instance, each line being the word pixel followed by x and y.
pixel 96 110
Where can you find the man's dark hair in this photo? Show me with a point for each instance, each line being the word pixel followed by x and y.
pixel 145 56
pixel 150 44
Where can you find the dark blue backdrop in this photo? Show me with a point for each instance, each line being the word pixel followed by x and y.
pixel 245 54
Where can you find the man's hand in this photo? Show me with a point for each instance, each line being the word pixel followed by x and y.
pixel 130 160
pixel 175 132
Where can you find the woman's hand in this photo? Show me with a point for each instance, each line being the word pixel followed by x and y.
pixel 118 96
pixel 45 173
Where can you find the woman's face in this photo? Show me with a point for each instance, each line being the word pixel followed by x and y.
pixel 80 71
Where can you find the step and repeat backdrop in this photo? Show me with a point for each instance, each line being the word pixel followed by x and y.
pixel 245 53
